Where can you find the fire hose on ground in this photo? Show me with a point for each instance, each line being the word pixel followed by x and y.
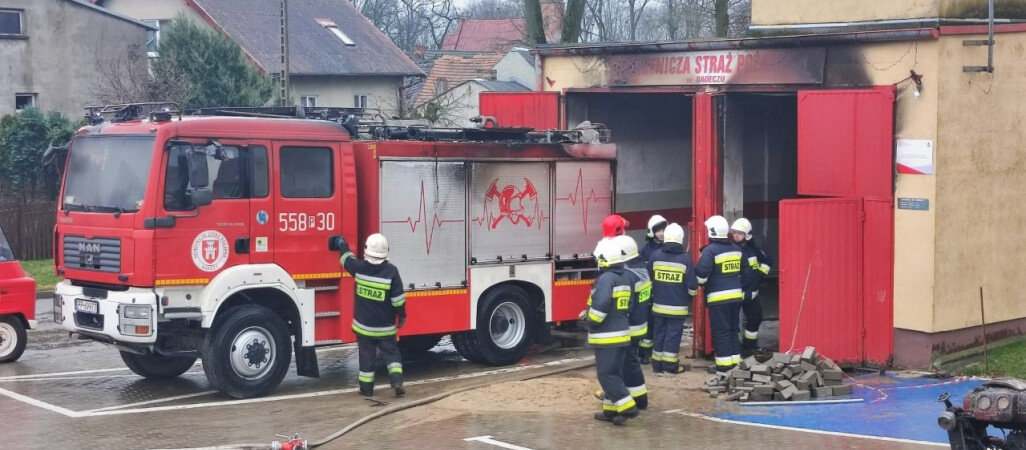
pixel 294 443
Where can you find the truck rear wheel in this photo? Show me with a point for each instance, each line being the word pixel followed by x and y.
pixel 248 353
pixel 157 366
pixel 506 327
pixel 12 338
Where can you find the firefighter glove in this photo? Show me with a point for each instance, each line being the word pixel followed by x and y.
pixel 343 246
pixel 402 322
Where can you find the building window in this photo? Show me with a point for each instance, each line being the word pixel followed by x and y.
pixel 153 37
pixel 360 100
pixel 10 22
pixel 22 101
pixel 342 36
pixel 308 101
pixel 306 172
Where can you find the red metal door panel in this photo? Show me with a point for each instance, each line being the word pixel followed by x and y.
pixel 538 110
pixel 878 280
pixel 844 142
pixel 821 241
pixel 707 198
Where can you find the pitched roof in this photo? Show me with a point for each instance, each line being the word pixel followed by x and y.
pixel 497 35
pixel 313 48
pixel 91 4
pixel 454 70
pixel 501 86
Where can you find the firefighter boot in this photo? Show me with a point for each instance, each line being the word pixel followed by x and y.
pixel 397 381
pixel 605 416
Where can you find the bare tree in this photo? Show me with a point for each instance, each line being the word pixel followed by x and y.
pixel 126 78
pixel 492 9
pixel 410 23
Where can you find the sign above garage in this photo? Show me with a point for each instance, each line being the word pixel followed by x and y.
pixel 763 66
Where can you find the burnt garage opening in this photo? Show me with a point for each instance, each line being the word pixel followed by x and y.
pixel 759 157
pixel 653 134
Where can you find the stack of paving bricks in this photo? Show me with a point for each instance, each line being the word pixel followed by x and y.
pixel 781 378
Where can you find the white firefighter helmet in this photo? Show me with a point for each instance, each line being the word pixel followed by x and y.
pixel 655 222
pixel 674 233
pixel 744 226
pixel 718 227
pixel 627 246
pixel 377 248
pixel 607 253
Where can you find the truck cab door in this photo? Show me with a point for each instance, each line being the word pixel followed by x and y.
pixel 201 241
pixel 308 206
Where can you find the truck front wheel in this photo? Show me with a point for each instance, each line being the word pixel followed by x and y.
pixel 157 366
pixel 248 353
pixel 506 328
pixel 12 338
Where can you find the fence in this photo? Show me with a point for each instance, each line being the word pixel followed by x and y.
pixel 29 228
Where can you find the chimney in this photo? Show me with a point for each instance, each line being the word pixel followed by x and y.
pixel 552 19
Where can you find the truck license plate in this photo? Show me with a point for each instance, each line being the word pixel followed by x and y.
pixel 87 306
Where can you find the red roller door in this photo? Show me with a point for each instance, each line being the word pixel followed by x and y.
pixel 538 110
pixel 878 280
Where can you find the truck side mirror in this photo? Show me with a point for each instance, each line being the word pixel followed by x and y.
pixel 199 175
pixel 201 197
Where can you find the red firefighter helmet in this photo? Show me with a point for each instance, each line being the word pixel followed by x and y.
pixel 613 226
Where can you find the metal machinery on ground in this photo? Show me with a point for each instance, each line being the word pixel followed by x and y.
pixel 17 303
pixel 998 403
pixel 208 235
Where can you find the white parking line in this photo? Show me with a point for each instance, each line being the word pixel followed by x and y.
pixel 490 441
pixel 88 377
pixel 77 372
pixel 130 409
pixel 804 430
pixel 150 402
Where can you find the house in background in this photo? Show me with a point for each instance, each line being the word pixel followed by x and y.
pixel 494 36
pixel 337 56
pixel 450 95
pixel 49 51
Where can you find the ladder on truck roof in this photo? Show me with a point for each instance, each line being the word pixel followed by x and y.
pixel 364 123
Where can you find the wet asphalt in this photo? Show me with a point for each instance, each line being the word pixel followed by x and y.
pixel 73 394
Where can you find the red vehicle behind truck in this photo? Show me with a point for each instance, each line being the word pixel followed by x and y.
pixel 211 236
pixel 17 303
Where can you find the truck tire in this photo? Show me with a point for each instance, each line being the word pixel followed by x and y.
pixel 157 366
pixel 506 328
pixel 12 339
pixel 248 352
pixel 414 346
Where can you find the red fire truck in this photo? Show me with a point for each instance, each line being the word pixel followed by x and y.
pixel 210 236
pixel 17 303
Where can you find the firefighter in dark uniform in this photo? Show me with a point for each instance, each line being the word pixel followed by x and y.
pixel 673 284
pixel 609 332
pixel 719 271
pixel 637 318
pixel 653 240
pixel 760 264
pixel 378 303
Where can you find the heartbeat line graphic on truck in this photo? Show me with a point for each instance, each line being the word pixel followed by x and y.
pixel 510 204
pixel 577 196
pixel 422 216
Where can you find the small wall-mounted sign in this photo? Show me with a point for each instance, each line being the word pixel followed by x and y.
pixel 915 156
pixel 918 204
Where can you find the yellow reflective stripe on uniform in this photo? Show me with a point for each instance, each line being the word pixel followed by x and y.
pixel 765 269
pixel 646 343
pixel 596 315
pixel 622 297
pixel 374 282
pixel 612 337
pixel 692 292
pixel 637 391
pixel 399 300
pixel 670 357
pixel 753 261
pixel 668 272
pixel 345 255
pixel 702 280
pixel 671 310
pixel 639 330
pixel 395 368
pixel 366 377
pixel 608 406
pixel 364 330
pixel 751 335
pixel 727 256
pixel 724 361
pixel 729 294
pixel 735 360
pixel 625 403
pixel 755 294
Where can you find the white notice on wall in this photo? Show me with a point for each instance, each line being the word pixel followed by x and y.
pixel 915 156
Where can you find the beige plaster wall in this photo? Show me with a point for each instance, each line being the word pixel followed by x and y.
pixel 381 91
pixel 153 9
pixel 789 12
pixel 981 174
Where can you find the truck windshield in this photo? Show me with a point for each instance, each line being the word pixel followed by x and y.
pixel 107 173
pixel 6 252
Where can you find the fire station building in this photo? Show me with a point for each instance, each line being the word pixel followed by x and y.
pixel 876 145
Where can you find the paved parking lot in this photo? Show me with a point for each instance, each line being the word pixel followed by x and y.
pixel 66 393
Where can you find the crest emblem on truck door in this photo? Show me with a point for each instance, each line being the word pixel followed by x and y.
pixel 512 203
pixel 209 251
